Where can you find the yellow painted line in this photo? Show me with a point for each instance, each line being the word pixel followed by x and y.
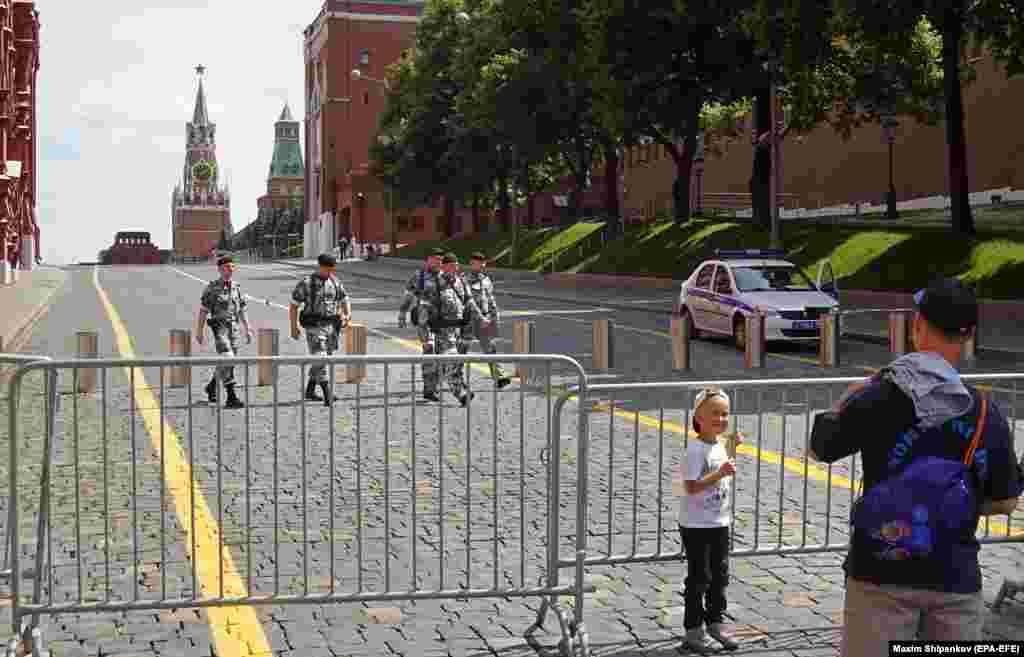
pixel 668 336
pixel 794 465
pixel 236 632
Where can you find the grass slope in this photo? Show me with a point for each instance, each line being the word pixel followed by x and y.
pixel 869 254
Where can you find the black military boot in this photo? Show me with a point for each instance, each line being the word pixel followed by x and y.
pixel 431 395
pixel 211 390
pixel 465 399
pixel 329 396
pixel 233 400
pixel 311 392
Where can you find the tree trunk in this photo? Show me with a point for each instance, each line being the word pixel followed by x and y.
pixel 503 202
pixel 956 139
pixel 684 163
pixel 476 211
pixel 611 189
pixel 760 178
pixel 449 216
pixel 580 178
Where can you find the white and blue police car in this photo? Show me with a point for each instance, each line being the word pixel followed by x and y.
pixel 721 292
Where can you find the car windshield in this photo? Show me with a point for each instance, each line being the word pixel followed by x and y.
pixel 771 279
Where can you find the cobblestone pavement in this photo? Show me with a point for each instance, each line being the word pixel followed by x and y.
pixel 421 494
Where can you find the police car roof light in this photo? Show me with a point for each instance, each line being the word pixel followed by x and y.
pixel 724 254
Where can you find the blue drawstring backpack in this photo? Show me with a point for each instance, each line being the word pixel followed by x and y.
pixel 932 502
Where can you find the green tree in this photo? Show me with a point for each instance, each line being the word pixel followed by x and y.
pixel 964 26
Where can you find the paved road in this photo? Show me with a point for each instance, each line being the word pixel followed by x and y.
pixel 419 494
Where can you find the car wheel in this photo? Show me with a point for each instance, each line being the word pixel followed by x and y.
pixel 739 332
pixel 694 331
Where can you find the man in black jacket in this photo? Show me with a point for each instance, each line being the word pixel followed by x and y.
pixel 918 407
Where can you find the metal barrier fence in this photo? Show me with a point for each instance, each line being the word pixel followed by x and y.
pixel 364 501
pixel 8 363
pixel 782 503
pixel 286 502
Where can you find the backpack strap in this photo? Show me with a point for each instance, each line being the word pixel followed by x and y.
pixel 978 430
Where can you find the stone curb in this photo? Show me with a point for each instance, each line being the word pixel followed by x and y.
pixel 859 337
pixel 15 339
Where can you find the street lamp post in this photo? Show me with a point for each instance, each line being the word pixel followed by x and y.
pixel 889 124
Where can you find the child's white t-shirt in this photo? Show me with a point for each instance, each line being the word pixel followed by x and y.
pixel 710 507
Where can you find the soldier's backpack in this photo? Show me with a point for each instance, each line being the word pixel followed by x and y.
pixel 927 507
pixel 307 317
pixel 421 277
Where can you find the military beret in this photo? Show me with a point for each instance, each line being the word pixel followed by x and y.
pixel 450 258
pixel 478 256
pixel 327 260
pixel 225 259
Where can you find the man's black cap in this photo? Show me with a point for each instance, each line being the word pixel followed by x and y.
pixel 225 259
pixel 949 305
pixel 450 258
pixel 478 256
pixel 327 260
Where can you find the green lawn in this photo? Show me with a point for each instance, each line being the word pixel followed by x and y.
pixel 535 247
pixel 865 254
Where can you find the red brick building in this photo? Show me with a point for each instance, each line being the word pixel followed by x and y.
pixel 200 205
pixel 132 248
pixel 19 64
pixel 341 116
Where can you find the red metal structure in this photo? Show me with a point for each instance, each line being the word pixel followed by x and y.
pixel 19 64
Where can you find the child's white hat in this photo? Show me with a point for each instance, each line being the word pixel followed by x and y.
pixel 706 394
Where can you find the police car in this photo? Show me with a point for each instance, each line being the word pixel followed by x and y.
pixel 721 292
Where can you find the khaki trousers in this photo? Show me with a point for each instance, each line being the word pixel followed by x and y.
pixel 875 615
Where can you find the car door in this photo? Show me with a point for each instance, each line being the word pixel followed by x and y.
pixel 724 303
pixel 827 280
pixel 697 298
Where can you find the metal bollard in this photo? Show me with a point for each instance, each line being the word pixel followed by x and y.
pixel 268 343
pixel 899 333
pixel 603 344
pixel 181 346
pixel 87 347
pixel 828 346
pixel 681 331
pixel 753 355
pixel 522 343
pixel 355 345
pixel 969 350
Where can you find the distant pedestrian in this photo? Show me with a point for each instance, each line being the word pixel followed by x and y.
pixel 704 520
pixel 222 307
pixel 912 569
pixel 482 288
pixel 326 310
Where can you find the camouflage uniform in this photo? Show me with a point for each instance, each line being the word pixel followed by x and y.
pixel 455 306
pixel 482 289
pixel 225 305
pixel 321 299
pixel 421 293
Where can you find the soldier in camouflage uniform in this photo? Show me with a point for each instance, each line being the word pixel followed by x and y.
pixel 222 307
pixel 455 308
pixel 482 289
pixel 421 295
pixel 326 310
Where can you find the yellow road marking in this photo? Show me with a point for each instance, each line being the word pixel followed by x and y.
pixel 236 632
pixel 668 336
pixel 794 465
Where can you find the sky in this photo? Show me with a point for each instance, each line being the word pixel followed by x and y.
pixel 116 85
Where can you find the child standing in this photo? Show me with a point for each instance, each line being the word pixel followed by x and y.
pixel 704 518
